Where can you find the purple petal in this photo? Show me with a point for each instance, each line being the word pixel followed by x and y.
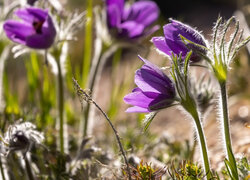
pixel 177 47
pixel 155 70
pixel 48 29
pixel 160 44
pixel 152 81
pixel 17 31
pixel 113 16
pixel 137 98
pixel 143 12
pixel 39 41
pixel 131 29
pixel 137 109
pixel 151 85
pixel 45 39
pixel 188 32
pixel 32 14
pixel 118 3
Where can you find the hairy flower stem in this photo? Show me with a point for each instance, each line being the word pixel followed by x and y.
pixel 28 169
pixel 202 144
pixel 190 106
pixel 226 126
pixel 60 105
pixel 2 170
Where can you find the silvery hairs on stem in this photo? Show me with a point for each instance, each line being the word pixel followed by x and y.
pixel 20 136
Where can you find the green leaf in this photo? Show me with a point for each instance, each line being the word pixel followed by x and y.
pixel 148 119
pixel 186 63
pixel 232 163
pixel 186 41
pixel 227 164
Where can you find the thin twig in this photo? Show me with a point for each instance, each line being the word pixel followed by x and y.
pixel 84 96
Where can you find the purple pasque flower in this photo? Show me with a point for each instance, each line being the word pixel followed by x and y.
pixel 172 43
pixel 132 22
pixel 36 30
pixel 154 90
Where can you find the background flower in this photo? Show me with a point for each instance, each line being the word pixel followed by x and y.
pixel 172 43
pixel 36 30
pixel 132 22
pixel 155 90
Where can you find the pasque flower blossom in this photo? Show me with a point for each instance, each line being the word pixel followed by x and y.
pixel 155 90
pixel 36 30
pixel 172 42
pixel 132 22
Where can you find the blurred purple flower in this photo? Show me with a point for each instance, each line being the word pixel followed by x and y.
pixel 155 90
pixel 36 30
pixel 172 42
pixel 132 22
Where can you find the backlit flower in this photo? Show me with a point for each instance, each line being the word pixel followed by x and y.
pixel 36 30
pixel 172 43
pixel 132 22
pixel 155 90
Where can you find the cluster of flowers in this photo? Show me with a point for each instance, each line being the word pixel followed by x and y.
pixel 185 45
pixel 37 29
pixel 155 90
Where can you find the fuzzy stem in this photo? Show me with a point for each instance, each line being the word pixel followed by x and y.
pixel 28 169
pixel 60 104
pixel 202 141
pixel 2 170
pixel 226 126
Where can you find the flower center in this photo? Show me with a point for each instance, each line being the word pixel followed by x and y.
pixel 38 26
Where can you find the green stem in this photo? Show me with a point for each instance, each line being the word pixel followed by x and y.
pixel 60 104
pixel 202 144
pixel 226 127
pixel 86 117
pixel 28 169
pixel 88 42
pixel 2 171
